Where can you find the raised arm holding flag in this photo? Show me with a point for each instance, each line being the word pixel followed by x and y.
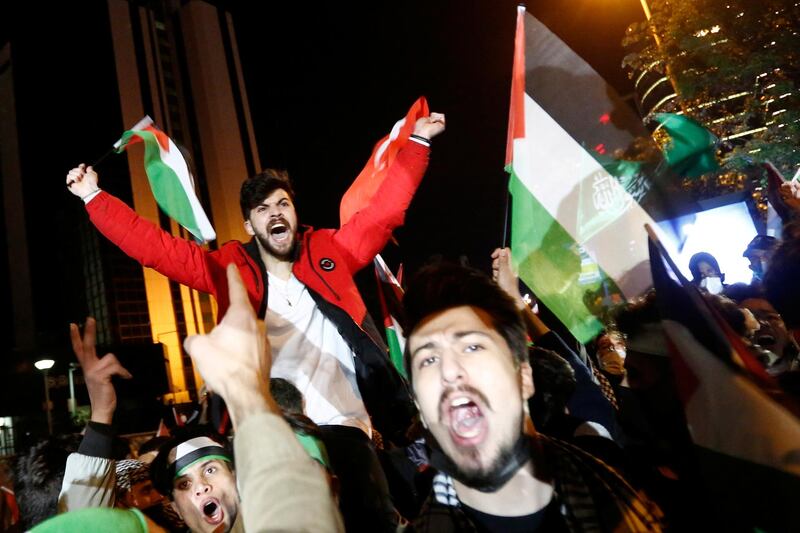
pixel 167 171
pixel 298 278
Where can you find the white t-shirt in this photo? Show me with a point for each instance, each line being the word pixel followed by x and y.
pixel 309 351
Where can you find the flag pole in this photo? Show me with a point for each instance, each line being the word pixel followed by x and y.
pixel 103 157
pixel 505 218
pixel 142 124
pixel 516 117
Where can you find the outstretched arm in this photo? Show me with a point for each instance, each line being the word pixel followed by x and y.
pixel 430 126
pixel 82 181
pixel 282 489
pixel 783 194
pixel 588 401
pixel 89 476
pixel 368 231
pixel 97 372
pixel 177 259
pixel 235 358
pixel 504 275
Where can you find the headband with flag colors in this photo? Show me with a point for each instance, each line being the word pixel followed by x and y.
pixel 314 447
pixel 187 453
pixel 170 179
pixel 374 172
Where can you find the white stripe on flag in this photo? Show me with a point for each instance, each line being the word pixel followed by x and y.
pixel 174 159
pixel 554 168
pixel 398 332
pixel 139 126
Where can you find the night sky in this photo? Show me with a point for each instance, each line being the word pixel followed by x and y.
pixel 325 81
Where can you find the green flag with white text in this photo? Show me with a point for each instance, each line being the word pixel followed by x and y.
pixel 692 149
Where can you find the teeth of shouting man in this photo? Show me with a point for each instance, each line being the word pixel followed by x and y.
pixel 458 402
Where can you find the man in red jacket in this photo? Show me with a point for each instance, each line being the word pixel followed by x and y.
pixel 299 279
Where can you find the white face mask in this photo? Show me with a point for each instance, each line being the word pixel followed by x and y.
pixel 712 285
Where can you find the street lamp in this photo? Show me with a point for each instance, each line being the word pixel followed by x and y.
pixel 72 405
pixel 45 365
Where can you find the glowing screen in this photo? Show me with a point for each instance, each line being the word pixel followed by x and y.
pixel 724 232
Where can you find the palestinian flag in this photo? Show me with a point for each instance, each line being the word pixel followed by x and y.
pixel 746 432
pixel 577 232
pixel 374 172
pixel 170 179
pixel 390 295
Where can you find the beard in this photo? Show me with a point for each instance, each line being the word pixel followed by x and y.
pixel 286 255
pixel 481 476
pixel 512 454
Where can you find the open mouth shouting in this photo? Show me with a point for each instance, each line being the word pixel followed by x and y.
pixel 765 340
pixel 213 512
pixel 279 231
pixel 464 416
pixel 279 235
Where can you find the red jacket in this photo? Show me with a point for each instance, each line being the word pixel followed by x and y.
pixel 326 263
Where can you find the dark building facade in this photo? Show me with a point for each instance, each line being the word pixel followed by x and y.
pixel 175 61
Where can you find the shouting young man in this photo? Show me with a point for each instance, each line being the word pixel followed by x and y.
pixel 467 358
pixel 298 278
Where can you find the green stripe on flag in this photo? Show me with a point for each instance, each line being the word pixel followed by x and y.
pixel 167 188
pixel 555 268
pixel 578 238
pixel 395 352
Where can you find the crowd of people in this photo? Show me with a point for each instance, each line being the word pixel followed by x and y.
pixel 503 423
pixel 752 309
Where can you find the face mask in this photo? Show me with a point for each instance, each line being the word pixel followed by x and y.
pixel 712 285
pixel 762 268
pixel 758 267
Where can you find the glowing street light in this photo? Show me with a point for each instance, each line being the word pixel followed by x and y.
pixel 72 405
pixel 45 365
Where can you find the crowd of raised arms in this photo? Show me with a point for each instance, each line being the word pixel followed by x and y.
pixel 501 423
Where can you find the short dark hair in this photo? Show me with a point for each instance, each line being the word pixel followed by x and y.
pixel 441 286
pixel 739 292
pixel 161 472
pixel 554 384
pixel 760 242
pixel 286 395
pixel 782 282
pixel 255 189
pixel 630 318
pixel 38 475
pixel 152 445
